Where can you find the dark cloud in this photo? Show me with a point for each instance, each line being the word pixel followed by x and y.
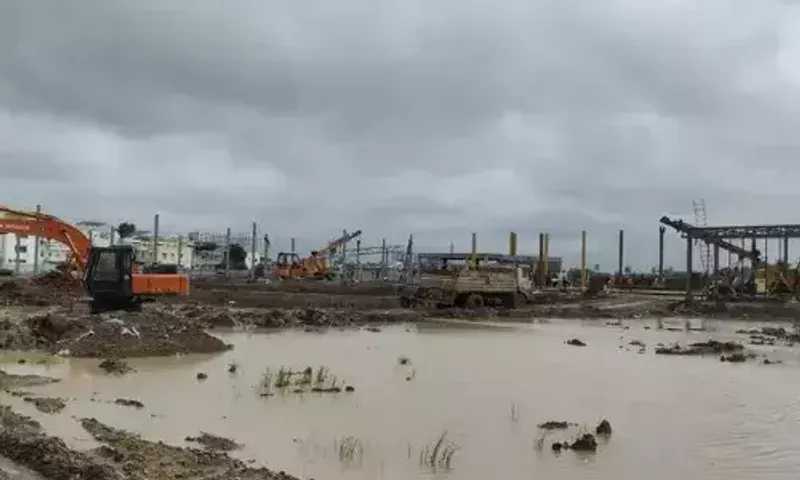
pixel 437 118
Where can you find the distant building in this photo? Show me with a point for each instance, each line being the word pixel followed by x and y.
pixel 51 253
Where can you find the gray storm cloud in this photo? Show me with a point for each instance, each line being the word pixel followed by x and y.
pixel 433 118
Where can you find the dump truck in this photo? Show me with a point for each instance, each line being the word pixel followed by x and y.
pixel 468 288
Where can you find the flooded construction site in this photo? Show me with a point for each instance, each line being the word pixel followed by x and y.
pixel 344 383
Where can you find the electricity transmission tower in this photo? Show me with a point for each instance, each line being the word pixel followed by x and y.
pixel 702 247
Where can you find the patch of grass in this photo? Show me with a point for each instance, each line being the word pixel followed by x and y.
pixel 438 455
pixel 267 382
pixel 350 450
pixel 287 380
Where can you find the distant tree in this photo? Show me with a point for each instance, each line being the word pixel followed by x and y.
pixel 126 230
pixel 238 256
pixel 205 246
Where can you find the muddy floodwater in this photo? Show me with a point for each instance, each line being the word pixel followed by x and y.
pixel 488 388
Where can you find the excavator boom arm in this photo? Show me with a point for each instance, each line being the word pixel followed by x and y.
pixel 20 222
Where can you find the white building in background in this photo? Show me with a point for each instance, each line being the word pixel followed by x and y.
pixel 174 250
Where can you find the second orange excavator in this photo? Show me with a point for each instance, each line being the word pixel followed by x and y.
pixel 290 266
pixel 110 275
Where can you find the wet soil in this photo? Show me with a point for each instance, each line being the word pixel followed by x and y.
pixel 123 456
pixel 115 366
pixel 129 402
pixel 140 459
pixel 179 325
pixel 710 347
pixel 214 442
pixel 52 288
pixel 142 334
pixel 11 383
pixel 48 405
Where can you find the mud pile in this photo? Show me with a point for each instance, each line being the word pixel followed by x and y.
pixel 123 455
pixel 710 347
pixel 52 288
pixel 23 441
pixel 143 460
pixel 120 335
pixel 254 298
pixel 766 310
pixel 212 316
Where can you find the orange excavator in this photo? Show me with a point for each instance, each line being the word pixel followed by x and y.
pixel 109 274
pixel 289 265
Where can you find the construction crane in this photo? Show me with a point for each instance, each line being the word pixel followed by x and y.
pixel 289 265
pixel 109 274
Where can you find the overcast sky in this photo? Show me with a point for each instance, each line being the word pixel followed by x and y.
pixel 436 118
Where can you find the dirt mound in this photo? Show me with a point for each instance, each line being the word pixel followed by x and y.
pixel 144 460
pixel 710 347
pixel 52 288
pixel 272 299
pixel 210 316
pixel 123 455
pixel 121 335
pixel 23 441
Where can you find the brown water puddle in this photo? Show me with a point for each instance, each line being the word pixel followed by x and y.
pixel 488 388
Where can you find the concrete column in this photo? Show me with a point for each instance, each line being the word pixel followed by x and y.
pixel 344 248
pixel 661 231
pixel 293 245
pixel 156 221
pixel 358 260
pixel 36 241
pixel 452 248
pixel 689 258
pixel 546 263
pixel 540 261
pixel 583 260
pixel 228 253
pixel 716 259
pixel 473 261
pixel 17 245
pixel 512 244
pixel 180 251
pixel 253 251
pixel 621 253
pixel 786 250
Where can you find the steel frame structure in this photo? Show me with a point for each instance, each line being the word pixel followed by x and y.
pixel 749 231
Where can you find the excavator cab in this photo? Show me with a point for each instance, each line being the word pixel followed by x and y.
pixel 108 278
pixel 113 282
pixel 288 260
pixel 287 265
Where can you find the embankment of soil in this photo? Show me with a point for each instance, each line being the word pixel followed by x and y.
pixel 53 288
pixel 213 316
pixel 124 334
pixel 123 456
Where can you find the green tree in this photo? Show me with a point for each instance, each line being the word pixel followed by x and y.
pixel 126 229
pixel 238 256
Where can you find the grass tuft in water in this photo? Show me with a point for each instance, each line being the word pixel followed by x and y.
pixel 439 455
pixel 267 383
pixel 350 450
pixel 287 380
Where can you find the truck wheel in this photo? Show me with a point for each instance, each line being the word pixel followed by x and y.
pixel 511 301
